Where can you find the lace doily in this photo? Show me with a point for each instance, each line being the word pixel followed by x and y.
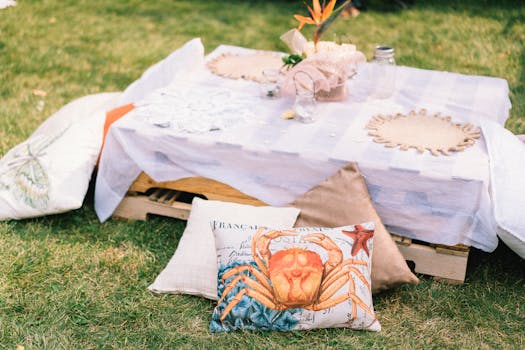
pixel 195 109
pixel 421 131
pixel 249 67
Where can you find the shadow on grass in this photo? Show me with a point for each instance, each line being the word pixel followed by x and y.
pixel 82 226
pixel 502 263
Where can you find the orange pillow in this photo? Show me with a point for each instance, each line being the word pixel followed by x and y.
pixel 112 116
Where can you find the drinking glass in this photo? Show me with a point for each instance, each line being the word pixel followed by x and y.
pixel 271 84
pixel 305 105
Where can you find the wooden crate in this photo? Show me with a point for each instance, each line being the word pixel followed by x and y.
pixel 173 199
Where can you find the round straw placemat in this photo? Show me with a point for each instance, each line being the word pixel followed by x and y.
pixel 249 66
pixel 435 133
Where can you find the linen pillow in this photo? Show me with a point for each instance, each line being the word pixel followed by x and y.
pixel 293 279
pixel 50 172
pixel 344 198
pixel 193 267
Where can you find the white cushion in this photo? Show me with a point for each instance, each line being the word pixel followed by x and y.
pixel 507 180
pixel 193 267
pixel 176 66
pixel 50 172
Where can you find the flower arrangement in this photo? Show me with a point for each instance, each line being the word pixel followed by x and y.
pixel 321 16
pixel 324 62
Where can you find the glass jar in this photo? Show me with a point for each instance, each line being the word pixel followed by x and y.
pixel 383 72
pixel 305 105
pixel 271 84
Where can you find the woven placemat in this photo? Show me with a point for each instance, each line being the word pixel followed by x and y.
pixel 419 130
pixel 249 66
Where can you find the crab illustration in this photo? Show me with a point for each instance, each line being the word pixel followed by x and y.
pixel 295 277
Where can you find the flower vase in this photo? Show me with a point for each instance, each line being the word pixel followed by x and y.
pixel 338 92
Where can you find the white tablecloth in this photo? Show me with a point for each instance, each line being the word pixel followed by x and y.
pixel 435 199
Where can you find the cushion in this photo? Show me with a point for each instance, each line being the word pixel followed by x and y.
pixel 114 115
pixel 177 66
pixel 344 198
pixel 193 267
pixel 507 171
pixel 293 279
pixel 50 172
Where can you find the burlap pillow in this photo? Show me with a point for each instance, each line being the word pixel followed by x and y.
pixel 342 199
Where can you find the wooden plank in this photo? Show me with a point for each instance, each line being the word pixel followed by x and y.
pixel 428 261
pixel 459 250
pixel 401 240
pixel 138 208
pixel 211 189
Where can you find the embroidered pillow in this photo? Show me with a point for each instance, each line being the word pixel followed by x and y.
pixel 193 267
pixel 293 279
pixel 49 173
pixel 344 198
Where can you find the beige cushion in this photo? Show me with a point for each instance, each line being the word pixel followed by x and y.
pixel 343 199
pixel 193 267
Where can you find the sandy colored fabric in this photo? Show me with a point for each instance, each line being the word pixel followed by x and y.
pixel 422 131
pixel 343 199
pixel 249 67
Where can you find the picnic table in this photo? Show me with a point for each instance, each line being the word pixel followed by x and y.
pixel 436 199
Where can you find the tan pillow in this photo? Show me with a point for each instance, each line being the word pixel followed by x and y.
pixel 343 198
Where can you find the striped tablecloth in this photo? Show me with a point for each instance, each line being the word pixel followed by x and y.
pixel 435 199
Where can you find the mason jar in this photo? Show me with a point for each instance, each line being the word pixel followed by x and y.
pixel 383 72
pixel 305 106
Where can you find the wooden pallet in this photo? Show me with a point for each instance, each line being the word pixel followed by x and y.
pixel 447 263
pixel 173 199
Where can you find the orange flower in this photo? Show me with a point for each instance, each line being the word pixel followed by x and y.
pixel 318 14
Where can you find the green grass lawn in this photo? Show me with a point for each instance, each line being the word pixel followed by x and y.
pixel 70 282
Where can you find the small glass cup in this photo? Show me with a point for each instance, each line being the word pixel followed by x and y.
pixel 305 105
pixel 271 84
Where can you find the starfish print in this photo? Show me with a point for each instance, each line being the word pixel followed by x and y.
pixel 360 236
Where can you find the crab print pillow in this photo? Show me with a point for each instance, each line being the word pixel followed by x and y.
pixel 293 279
